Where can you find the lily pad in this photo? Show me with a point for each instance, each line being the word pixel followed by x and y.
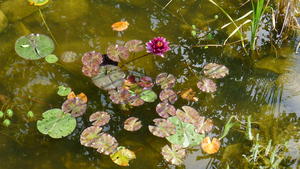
pixel 56 123
pixel 203 127
pixel 135 45
pixel 146 82
pixel 207 85
pixel 63 91
pixel 109 77
pixel 215 71
pixel 106 144
pixel 51 58
pixel 117 53
pixel 174 154
pixel 168 95
pixel 91 63
pixel 135 101
pixel 89 136
pixel 122 156
pixel 100 118
pixel 132 124
pixel 119 96
pixel 38 2
pixel 189 95
pixel 75 106
pixel 69 56
pixel 166 80
pixel 34 46
pixel 185 134
pixel 163 128
pixel 164 109
pixel 148 96
pixel 189 115
pixel 210 146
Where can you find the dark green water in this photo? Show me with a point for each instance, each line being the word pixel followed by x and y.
pixel 271 96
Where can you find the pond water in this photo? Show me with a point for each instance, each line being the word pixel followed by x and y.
pixel 267 88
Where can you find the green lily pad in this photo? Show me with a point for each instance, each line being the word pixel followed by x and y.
pixel 132 124
pixel 185 134
pixel 148 96
pixel 99 118
pixel 38 2
pixel 63 91
pixel 122 156
pixel 56 123
pixel 34 46
pixel 51 58
pixel 109 77
pixel 174 154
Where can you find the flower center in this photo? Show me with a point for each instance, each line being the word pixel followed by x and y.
pixel 159 44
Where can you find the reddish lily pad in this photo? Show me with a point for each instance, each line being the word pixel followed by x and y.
pixel 135 45
pixel 168 95
pixel 215 71
pixel 117 53
pixel 91 63
pixel 163 128
pixel 109 77
pixel 122 156
pixel 99 118
pixel 164 109
pixel 174 154
pixel 89 136
pixel 146 82
pixel 75 106
pixel 119 96
pixel 132 124
pixel 204 127
pixel 189 115
pixel 135 101
pixel 106 144
pixel 207 85
pixel 165 80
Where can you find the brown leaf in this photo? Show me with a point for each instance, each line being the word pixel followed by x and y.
pixel 189 95
pixel 210 146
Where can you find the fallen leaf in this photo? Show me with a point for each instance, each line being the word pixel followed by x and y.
pixel 189 95
pixel 210 146
pixel 122 156
pixel 120 26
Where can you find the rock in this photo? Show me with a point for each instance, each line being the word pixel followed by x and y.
pixel 3 21
pixel 65 11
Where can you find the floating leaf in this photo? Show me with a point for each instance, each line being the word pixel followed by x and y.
pixel 120 26
pixel 109 77
pixel 135 45
pixel 63 91
pixel 148 96
pixel 189 115
pixel 99 118
pixel 173 155
pixel 56 123
pixel 89 136
pixel 51 58
pixel 34 46
pixel 215 71
pixel 122 156
pixel 210 146
pixel 117 53
pixel 119 96
pixel 207 85
pixel 168 95
pixel 204 127
pixel 135 101
pixel 91 63
pixel 189 95
pixel 75 106
pixel 163 128
pixel 38 2
pixel 132 124
pixel 80 96
pixel 146 82
pixel 164 109
pixel 106 144
pixel 166 80
pixel 185 134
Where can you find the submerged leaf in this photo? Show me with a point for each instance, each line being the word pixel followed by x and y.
pixel 75 106
pixel 168 95
pixel 132 124
pixel 120 26
pixel 207 85
pixel 38 2
pixel 106 144
pixel 117 53
pixel 164 109
pixel 163 128
pixel 174 154
pixel 122 156
pixel 165 80
pixel 109 77
pixel 34 46
pixel 56 123
pixel 210 146
pixel 99 118
pixel 215 71
pixel 135 45
pixel 89 136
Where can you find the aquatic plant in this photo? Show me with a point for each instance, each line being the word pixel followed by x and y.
pixel 99 118
pixel 174 154
pixel 132 124
pixel 64 91
pixel 122 156
pixel 120 26
pixel 158 46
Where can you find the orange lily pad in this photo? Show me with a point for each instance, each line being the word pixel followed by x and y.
pixel 210 146
pixel 120 26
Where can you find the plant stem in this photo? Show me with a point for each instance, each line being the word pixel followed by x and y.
pixel 134 59
pixel 47 27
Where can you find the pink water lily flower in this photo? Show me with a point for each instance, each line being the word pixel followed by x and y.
pixel 158 46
